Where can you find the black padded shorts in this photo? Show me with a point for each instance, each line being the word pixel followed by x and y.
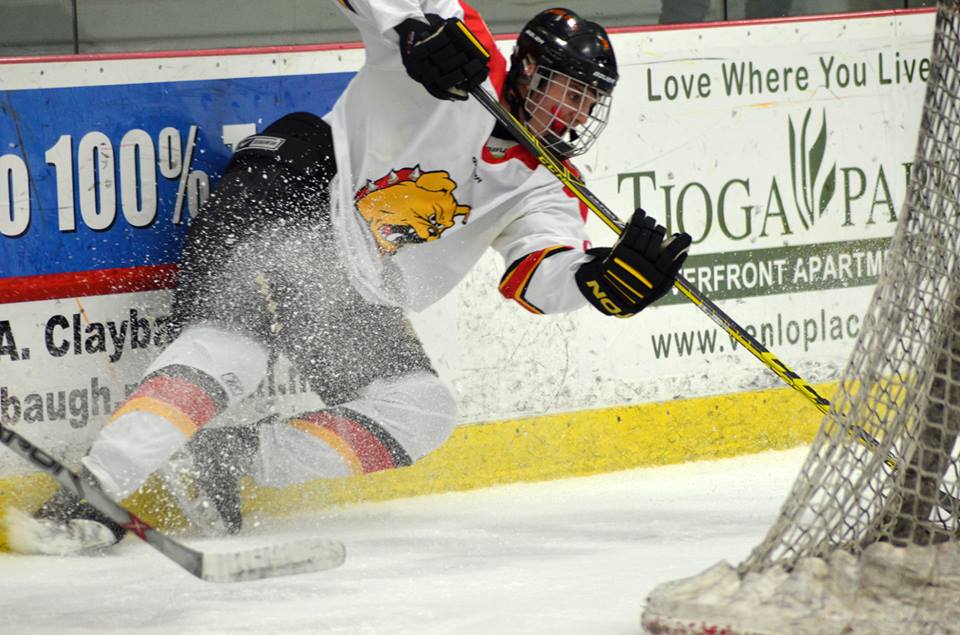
pixel 260 258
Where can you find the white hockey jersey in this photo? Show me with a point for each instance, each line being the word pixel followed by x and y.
pixel 422 189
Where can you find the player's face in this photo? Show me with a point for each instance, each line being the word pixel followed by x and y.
pixel 557 103
pixel 565 114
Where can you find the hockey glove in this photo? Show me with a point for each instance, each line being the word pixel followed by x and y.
pixel 637 271
pixel 443 55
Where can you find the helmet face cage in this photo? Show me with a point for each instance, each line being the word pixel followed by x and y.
pixel 564 113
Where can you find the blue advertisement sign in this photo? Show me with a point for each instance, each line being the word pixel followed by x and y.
pixel 107 177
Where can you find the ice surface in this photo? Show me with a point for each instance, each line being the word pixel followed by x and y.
pixel 564 557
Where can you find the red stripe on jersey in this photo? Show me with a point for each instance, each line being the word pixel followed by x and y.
pixel 497 64
pixel 516 281
pixel 180 394
pixel 373 455
pixel 514 284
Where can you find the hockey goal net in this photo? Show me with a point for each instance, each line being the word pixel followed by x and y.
pixel 868 540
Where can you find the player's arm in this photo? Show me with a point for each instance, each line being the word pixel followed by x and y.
pixel 542 281
pixel 637 271
pixel 437 49
pixel 384 14
pixel 551 270
pixel 543 249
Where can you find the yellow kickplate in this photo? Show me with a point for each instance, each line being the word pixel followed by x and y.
pixel 26 492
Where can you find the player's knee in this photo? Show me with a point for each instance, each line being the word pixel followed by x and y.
pixel 235 363
pixel 439 418
pixel 416 409
pixel 394 423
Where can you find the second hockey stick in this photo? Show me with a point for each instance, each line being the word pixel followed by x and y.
pixel 302 556
pixel 576 185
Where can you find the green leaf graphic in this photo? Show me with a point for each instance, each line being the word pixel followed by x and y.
pixel 793 171
pixel 806 167
pixel 816 157
pixel 829 187
pixel 807 194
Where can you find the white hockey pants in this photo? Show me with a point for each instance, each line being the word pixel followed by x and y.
pixel 392 421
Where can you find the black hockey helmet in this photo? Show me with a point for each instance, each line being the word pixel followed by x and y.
pixel 558 45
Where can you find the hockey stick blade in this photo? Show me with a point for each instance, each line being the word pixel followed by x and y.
pixel 302 556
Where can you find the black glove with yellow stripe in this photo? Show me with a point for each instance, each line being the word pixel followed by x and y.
pixel 637 271
pixel 443 55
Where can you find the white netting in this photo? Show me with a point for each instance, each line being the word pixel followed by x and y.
pixel 883 475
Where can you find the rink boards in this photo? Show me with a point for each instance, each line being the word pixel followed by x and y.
pixel 783 148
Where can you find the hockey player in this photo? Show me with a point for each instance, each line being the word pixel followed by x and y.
pixel 323 232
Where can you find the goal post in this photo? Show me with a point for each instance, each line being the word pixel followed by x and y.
pixel 868 539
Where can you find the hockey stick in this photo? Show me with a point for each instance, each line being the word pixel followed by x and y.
pixel 724 321
pixel 302 556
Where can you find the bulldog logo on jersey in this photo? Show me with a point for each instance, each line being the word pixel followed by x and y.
pixel 409 206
